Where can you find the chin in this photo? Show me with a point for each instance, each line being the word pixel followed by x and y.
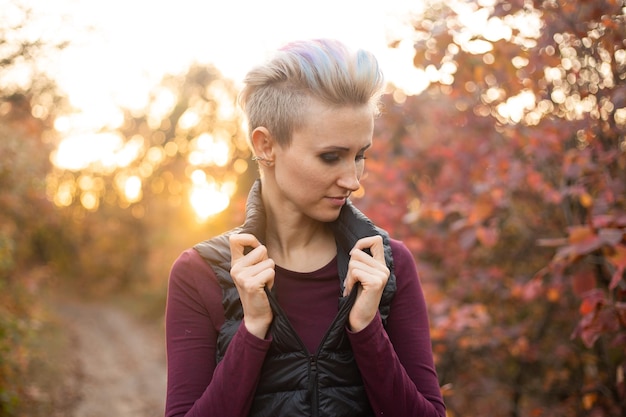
pixel 328 217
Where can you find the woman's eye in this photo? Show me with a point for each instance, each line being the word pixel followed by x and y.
pixel 329 157
pixel 333 157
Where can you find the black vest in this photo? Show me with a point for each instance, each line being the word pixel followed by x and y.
pixel 294 382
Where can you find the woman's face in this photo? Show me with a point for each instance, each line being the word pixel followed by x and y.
pixel 316 173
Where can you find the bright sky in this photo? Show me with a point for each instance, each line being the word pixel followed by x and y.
pixel 121 49
pixel 135 42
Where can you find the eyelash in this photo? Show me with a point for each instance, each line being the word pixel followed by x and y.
pixel 331 158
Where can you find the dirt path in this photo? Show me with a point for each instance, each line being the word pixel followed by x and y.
pixel 121 361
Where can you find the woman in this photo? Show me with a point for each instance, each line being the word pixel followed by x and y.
pixel 307 309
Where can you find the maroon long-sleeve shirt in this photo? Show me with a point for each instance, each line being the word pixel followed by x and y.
pixel 396 361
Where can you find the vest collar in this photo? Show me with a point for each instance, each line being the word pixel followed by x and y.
pixel 348 228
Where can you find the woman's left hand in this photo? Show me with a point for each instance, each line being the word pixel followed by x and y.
pixel 372 273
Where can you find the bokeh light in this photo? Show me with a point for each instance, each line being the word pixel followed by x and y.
pixel 132 188
pixel 79 151
pixel 206 150
pixel 207 200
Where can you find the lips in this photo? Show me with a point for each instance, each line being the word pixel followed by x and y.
pixel 338 201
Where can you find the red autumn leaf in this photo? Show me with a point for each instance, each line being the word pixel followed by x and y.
pixel 580 234
pixel 487 236
pixel 603 220
pixel 595 324
pixel 532 289
pixel 583 240
pixel 588 330
pixel 587 306
pixel 611 236
pixel 583 281
pixel 618 258
pixel 483 208
pixel 617 277
pixel 592 300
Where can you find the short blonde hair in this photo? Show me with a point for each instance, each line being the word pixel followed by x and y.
pixel 275 94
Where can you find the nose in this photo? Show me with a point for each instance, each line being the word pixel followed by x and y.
pixel 350 177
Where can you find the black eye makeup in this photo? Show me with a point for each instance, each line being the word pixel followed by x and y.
pixel 334 156
pixel 330 157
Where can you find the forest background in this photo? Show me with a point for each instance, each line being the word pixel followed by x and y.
pixel 506 177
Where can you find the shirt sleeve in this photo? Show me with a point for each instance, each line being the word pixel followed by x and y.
pixel 196 385
pixel 396 362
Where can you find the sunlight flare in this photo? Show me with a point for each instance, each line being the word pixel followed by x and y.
pixel 77 152
pixel 206 200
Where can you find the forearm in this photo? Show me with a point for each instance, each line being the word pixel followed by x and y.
pixel 390 389
pixel 234 381
pixel 194 315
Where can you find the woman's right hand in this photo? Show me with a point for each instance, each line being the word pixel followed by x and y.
pixel 251 273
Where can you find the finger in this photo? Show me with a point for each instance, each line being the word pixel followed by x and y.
pixel 270 273
pixel 348 284
pixel 251 266
pixel 238 243
pixel 255 276
pixel 355 273
pixel 265 277
pixel 374 244
pixel 362 266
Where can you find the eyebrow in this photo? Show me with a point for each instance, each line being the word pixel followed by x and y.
pixel 345 149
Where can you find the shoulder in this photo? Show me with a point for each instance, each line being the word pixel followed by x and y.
pixel 192 279
pixel 403 258
pixel 405 266
pixel 190 265
pixel 216 251
pixel 400 251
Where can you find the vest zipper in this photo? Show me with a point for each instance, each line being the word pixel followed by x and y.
pixel 313 362
pixel 313 385
pixel 313 371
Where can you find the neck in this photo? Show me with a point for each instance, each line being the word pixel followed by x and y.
pixel 294 241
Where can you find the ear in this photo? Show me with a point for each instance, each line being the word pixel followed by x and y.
pixel 263 143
